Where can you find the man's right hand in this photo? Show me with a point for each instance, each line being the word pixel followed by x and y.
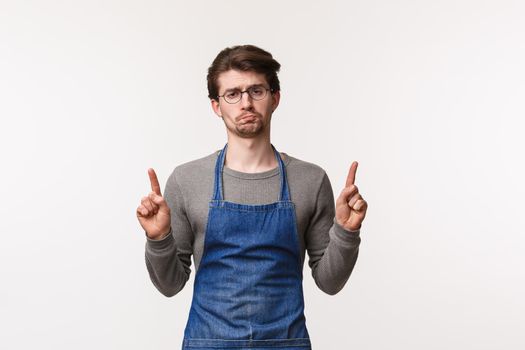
pixel 153 212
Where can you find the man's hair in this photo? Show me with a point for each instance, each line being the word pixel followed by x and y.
pixel 243 58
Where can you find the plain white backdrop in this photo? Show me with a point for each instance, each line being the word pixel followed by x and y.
pixel 428 96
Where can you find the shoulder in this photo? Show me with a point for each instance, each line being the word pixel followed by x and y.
pixel 194 170
pixel 304 168
pixel 306 179
pixel 309 187
pixel 201 164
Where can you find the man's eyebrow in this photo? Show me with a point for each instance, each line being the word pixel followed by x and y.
pixel 249 86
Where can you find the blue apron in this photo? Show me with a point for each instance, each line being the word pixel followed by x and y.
pixel 248 290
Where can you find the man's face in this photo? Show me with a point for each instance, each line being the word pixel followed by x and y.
pixel 247 118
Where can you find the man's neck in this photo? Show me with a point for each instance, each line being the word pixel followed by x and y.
pixel 250 155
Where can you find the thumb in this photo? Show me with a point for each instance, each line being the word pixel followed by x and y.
pixel 158 200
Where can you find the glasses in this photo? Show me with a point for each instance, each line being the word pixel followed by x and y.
pixel 256 92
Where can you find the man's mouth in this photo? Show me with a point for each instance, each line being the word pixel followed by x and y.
pixel 247 117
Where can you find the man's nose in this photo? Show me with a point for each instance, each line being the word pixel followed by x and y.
pixel 246 100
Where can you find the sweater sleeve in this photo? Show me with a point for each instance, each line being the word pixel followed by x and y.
pixel 332 250
pixel 168 259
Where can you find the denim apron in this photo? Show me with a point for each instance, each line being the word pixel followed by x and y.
pixel 248 290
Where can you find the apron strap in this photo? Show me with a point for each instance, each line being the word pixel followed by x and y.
pixel 218 183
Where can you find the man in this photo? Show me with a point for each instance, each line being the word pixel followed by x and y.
pixel 247 213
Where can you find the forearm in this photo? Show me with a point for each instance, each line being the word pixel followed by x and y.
pixel 167 271
pixel 332 267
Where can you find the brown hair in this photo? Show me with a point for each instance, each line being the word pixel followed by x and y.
pixel 243 58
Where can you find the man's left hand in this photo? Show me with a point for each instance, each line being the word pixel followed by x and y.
pixel 350 207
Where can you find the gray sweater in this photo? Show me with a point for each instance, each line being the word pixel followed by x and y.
pixel 332 250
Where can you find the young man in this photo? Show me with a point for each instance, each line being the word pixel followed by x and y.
pixel 247 213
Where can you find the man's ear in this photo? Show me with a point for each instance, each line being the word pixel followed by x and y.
pixel 276 97
pixel 216 107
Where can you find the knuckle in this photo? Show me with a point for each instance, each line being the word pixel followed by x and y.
pixel 351 188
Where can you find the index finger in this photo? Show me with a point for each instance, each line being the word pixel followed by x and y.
pixel 155 187
pixel 351 174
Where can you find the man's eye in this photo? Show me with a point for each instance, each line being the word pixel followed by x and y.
pixel 257 91
pixel 232 94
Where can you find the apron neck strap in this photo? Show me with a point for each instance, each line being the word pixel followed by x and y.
pixel 219 166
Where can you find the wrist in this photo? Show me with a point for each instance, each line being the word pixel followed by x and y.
pixel 160 237
pixel 342 228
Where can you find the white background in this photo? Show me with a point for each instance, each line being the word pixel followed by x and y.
pixel 428 96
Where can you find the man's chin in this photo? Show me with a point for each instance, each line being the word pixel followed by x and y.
pixel 248 135
pixel 249 132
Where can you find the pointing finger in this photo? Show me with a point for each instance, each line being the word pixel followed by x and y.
pixel 155 187
pixel 350 179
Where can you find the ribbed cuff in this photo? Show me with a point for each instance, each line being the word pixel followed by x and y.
pixel 346 237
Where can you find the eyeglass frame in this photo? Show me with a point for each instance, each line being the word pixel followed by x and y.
pixel 247 91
